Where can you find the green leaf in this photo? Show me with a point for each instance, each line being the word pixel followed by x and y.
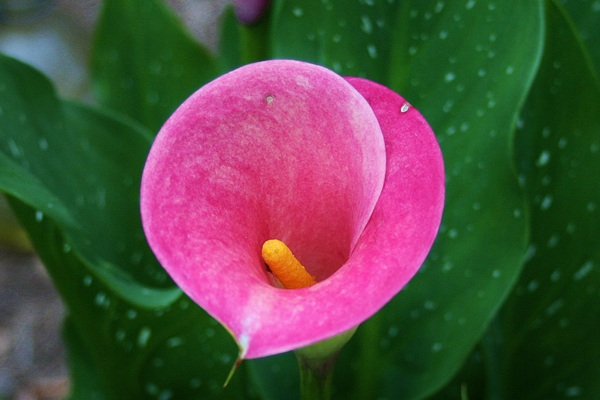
pixel 586 14
pixel 130 327
pixel 48 144
pixel 230 46
pixel 176 351
pixel 17 181
pixel 85 379
pixel 546 335
pixel 144 63
pixel 350 37
pixel 467 66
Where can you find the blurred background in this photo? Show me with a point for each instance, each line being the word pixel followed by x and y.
pixel 54 36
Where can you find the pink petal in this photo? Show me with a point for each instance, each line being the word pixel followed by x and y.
pixel 279 149
pixel 249 11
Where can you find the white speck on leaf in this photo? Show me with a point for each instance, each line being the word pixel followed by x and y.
pixel 449 77
pixel 583 271
pixel 372 50
pixel 543 158
pixel 144 336
pixel 546 202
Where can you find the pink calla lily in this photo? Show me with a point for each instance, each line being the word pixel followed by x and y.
pixel 344 171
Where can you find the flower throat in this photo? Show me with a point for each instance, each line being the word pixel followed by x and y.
pixel 284 266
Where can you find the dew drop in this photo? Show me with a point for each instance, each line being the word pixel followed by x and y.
pixel 546 202
pixel 448 106
pixel 470 4
pixel 404 107
pixel 574 391
pixel 449 77
pixel 87 280
pixel 372 51
pixel 144 336
pixel 366 24
pixel 549 361
pixel 543 158
pixel 447 266
pixel 583 271
pixel 15 150
pixel 298 12
pixel 43 143
pixel 101 300
pixel 158 362
pixel 554 307
pixel 496 273
pixel 429 305
pixel 39 216
pixel 195 383
pixel 174 342
pixel 553 241
pixel 120 335
pixel 165 395
pixel 151 388
pixel 437 347
pixel 532 286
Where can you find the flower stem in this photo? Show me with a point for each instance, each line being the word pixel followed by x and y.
pixel 316 364
pixel 255 40
pixel 316 377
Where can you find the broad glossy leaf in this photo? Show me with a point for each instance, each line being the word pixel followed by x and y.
pixel 467 66
pixel 353 38
pixel 230 47
pixel 586 16
pixel 174 352
pixel 84 377
pixel 546 335
pixel 52 143
pixel 144 63
pixel 141 336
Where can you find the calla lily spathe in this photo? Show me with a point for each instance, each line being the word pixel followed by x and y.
pixel 344 171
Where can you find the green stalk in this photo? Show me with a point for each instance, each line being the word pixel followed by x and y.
pixel 316 364
pixel 255 40
pixel 316 377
